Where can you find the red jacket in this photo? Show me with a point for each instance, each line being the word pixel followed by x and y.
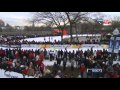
pixel 31 56
pixel 115 76
pixel 38 62
pixel 41 56
pixel 42 66
pixel 0 52
pixel 16 55
pixel 9 62
pixel 82 68
pixel 25 71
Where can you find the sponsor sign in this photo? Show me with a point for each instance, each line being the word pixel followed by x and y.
pixel 44 46
pixel 105 46
pixel 15 46
pixel 4 45
pixel 117 45
pixel 30 45
pixel 34 45
pixel 91 45
pixel 25 45
pixel 75 46
pixel 111 44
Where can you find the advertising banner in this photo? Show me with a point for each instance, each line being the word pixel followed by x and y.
pixel 34 45
pixel 25 45
pixel 91 45
pixel 44 46
pixel 4 45
pixel 105 46
pixel 117 45
pixel 111 44
pixel 61 46
pixel 15 46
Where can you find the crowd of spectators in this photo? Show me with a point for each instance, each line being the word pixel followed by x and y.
pixel 31 63
pixel 16 41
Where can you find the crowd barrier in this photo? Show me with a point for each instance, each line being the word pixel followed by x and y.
pixel 10 46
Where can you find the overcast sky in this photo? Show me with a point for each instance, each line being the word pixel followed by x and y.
pixel 15 18
pixel 20 18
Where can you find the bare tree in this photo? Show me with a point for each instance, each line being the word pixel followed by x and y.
pixel 115 22
pixel 61 19
pixel 54 19
pixel 74 18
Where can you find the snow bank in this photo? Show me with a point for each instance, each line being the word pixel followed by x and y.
pixel 51 63
pixel 8 74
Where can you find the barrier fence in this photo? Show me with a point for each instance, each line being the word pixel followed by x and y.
pixel 55 46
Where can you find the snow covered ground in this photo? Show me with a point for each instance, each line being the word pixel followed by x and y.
pixel 7 74
pixel 51 63
pixel 18 75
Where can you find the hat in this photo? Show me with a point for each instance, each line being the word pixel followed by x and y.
pixel 57 76
pixel 103 62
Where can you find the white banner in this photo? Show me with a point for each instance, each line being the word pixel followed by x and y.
pixel 25 45
pixel 91 45
pixel 34 45
pixel 4 45
pixel 30 45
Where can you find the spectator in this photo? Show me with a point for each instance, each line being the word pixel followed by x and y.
pixel 82 69
pixel 42 67
pixel 30 70
pixel 72 65
pixel 25 71
pixel 64 64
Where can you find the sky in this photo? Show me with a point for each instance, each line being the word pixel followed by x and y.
pixel 21 18
pixel 16 18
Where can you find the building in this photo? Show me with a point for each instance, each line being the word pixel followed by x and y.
pixel 18 27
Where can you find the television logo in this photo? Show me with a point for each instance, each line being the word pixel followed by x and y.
pixel 94 70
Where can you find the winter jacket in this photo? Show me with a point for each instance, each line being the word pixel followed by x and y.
pixel 31 56
pixel 25 71
pixel 41 56
pixel 38 62
pixel 42 66
pixel 82 68
pixel 115 76
pixel 16 55
pixel 31 72
pixel 9 62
